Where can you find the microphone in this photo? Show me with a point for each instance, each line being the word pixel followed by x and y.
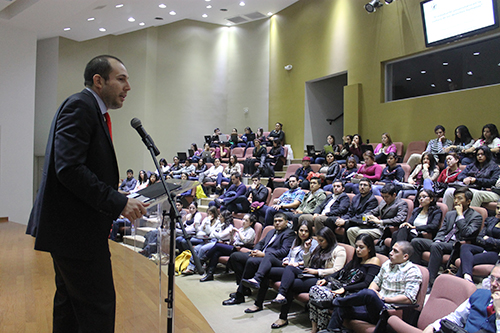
pixel 148 141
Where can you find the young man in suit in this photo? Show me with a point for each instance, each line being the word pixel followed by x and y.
pixel 78 199
pixel 247 265
pixel 459 225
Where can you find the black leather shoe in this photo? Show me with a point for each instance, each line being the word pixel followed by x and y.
pixel 246 292
pixel 233 301
pixel 252 310
pixel 274 325
pixel 207 277
pixel 250 284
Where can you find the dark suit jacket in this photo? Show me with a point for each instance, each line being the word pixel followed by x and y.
pixel 468 227
pixel 280 246
pixel 357 209
pixel 433 219
pixel 339 207
pixel 78 199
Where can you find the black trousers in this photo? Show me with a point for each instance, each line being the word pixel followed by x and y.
pixel 85 299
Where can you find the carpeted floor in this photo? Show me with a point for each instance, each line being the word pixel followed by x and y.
pixel 208 297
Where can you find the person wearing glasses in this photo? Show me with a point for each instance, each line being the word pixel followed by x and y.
pixel 471 314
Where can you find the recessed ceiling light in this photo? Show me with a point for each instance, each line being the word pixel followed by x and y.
pixel 209 6
pixel 242 3
pixel 162 5
pixel 142 23
pixel 91 19
pixel 470 73
pixel 131 19
pixel 207 0
pixel 119 5
pixel 423 72
pixel 449 80
pixel 408 79
pixel 476 53
pixel 433 85
pixel 67 29
pixel 102 29
pixel 445 64
pixel 229 23
pixel 269 14
pixel 172 12
pixel 204 15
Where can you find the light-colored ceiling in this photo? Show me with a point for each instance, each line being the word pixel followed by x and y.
pixel 49 18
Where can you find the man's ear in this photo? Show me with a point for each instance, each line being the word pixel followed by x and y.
pixel 98 81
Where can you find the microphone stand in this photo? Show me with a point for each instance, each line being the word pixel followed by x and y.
pixel 174 218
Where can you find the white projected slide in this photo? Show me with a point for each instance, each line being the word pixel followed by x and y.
pixel 449 18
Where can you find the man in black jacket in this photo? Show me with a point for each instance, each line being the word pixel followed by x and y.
pixel 78 200
pixel 276 244
pixel 335 205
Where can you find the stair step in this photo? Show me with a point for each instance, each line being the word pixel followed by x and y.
pixel 139 241
pixel 144 230
pixel 279 174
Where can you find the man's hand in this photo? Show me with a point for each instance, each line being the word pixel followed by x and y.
pixel 257 253
pixel 340 222
pixel 496 301
pixel 459 209
pixel 276 207
pixel 134 209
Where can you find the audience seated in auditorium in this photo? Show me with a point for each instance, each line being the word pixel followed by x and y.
pixel 285 204
pixel 459 225
pixel 201 167
pixel 329 171
pixel 391 212
pixel 231 168
pixel 485 250
pixel 272 267
pixel 303 172
pixel 330 147
pixel 196 153
pixel 153 178
pixel 188 168
pixel 356 275
pixel 211 174
pixel 424 220
pixel 490 138
pixel 336 204
pixel 384 148
pixel 327 258
pixel 451 172
pixel 361 204
pixel 479 313
pixel 221 152
pixel 355 147
pixel 370 170
pixel 424 175
pixel 206 154
pixel 276 243
pixel 236 189
pixel 234 139
pixel 260 135
pixel 247 139
pixel 347 173
pixel 479 177
pixel 163 167
pixel 397 282
pixel 275 157
pixel 129 183
pixel 463 142
pixel 175 166
pixel 276 134
pixel 313 199
pixel 434 147
pixel 392 173
pixel 344 153
pixel 258 158
pixel 192 222
pixel 217 229
pixel 142 181
pixel 241 237
pixel 214 139
pixel 256 192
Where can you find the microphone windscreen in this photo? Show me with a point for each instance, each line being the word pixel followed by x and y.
pixel 135 123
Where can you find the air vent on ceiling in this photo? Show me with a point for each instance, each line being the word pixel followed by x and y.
pixel 100 7
pixel 255 16
pixel 237 19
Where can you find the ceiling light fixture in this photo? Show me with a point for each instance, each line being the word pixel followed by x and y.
pixel 67 29
pixel 242 3
pixel 131 19
pixel 119 5
pixel 172 13
pixel 433 85
pixel 372 6
pixel 476 53
pixel 204 15
pixel 445 64
pixel 408 79
pixel 142 24
pixel 209 6
pixel 423 72
pixel 91 19
pixel 162 6
pixel 470 73
pixel 269 14
pixel 102 30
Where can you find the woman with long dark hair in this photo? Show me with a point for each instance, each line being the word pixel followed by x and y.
pixel 357 274
pixel 424 174
pixel 384 148
pixel 463 142
pixel 142 181
pixel 489 138
pixel 325 259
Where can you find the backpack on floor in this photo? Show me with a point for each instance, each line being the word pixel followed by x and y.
pixel 182 261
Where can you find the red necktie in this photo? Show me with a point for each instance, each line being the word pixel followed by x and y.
pixel 108 121
pixel 490 310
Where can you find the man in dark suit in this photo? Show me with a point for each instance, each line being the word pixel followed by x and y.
pixel 274 247
pixel 78 200
pixel 361 204
pixel 460 225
